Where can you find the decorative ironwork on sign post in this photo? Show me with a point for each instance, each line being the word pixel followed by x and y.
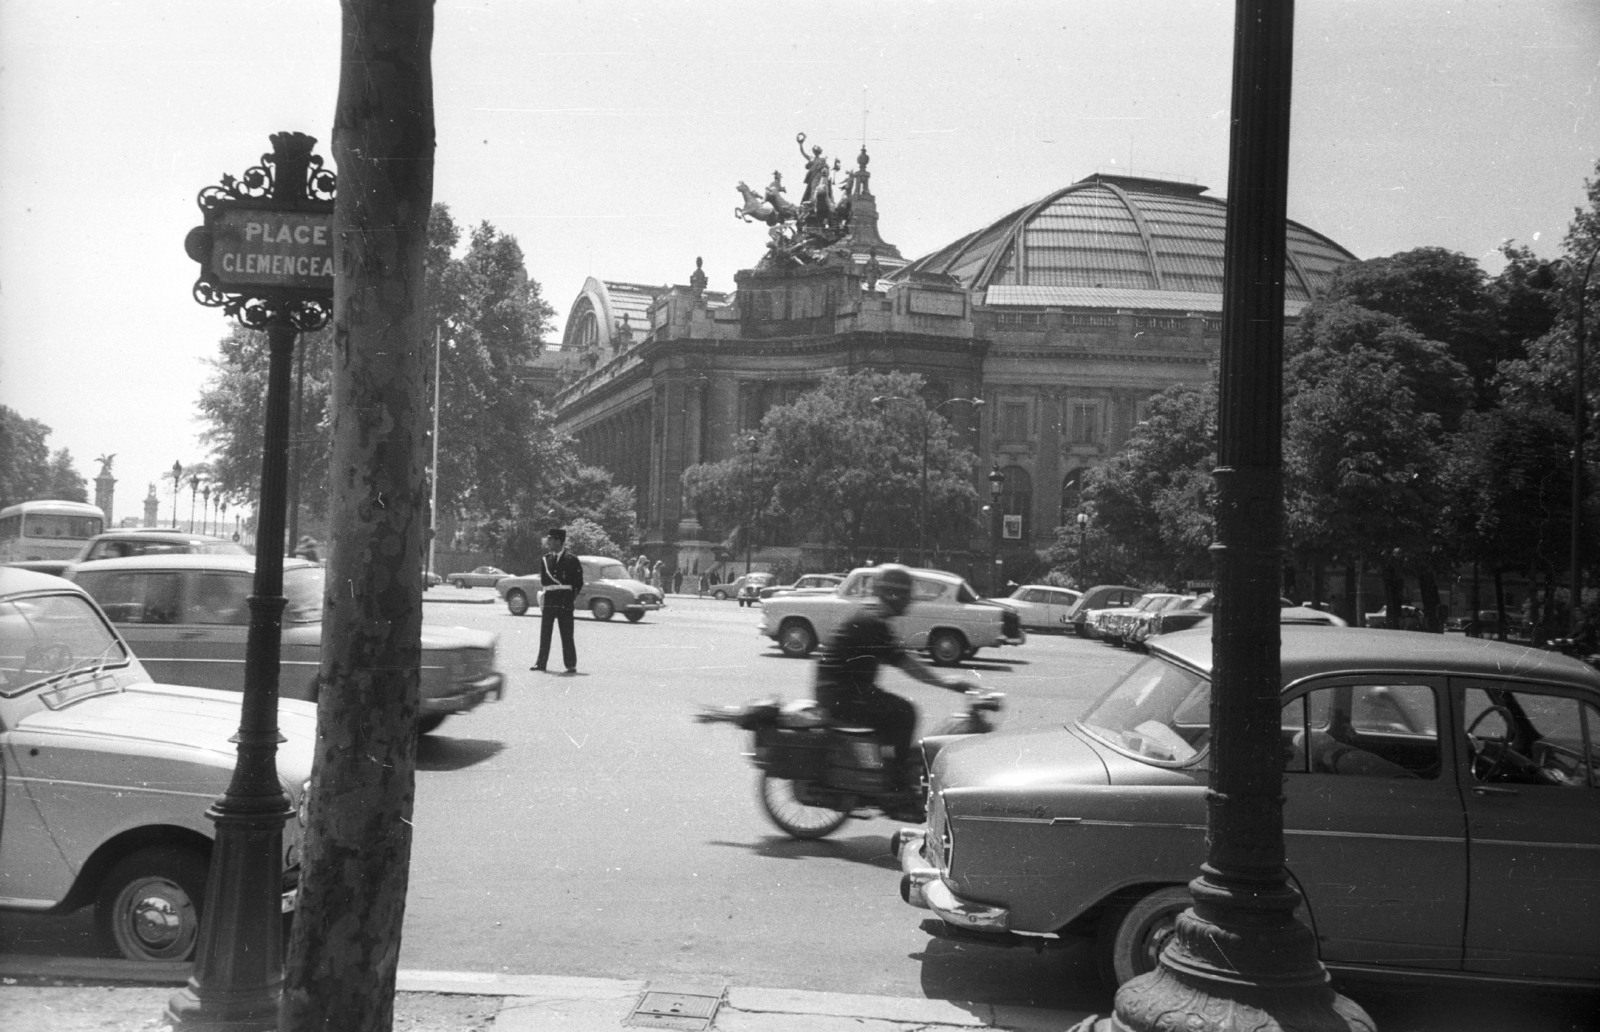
pixel 266 248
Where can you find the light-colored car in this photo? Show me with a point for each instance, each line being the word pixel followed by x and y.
pixel 130 541
pixel 1101 596
pixel 477 577
pixel 1410 618
pixel 108 776
pixel 1420 773
pixel 1042 607
pixel 730 589
pixel 813 583
pixel 1112 625
pixel 747 589
pixel 608 589
pixel 946 617
pixel 188 620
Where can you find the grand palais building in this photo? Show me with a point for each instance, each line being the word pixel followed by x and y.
pixel 1064 316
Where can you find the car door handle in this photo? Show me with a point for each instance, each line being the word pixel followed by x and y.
pixel 191 634
pixel 1488 790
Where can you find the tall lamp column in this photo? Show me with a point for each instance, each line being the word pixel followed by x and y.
pixel 997 482
pixel 177 488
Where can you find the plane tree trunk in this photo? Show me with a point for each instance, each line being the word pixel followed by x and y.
pixel 345 942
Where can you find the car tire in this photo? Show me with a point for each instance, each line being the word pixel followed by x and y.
pixel 796 638
pixel 149 903
pixel 946 648
pixel 796 819
pixel 602 609
pixel 517 601
pixel 969 654
pixel 634 616
pixel 720 595
pixel 1131 937
pixel 459 583
pixel 428 723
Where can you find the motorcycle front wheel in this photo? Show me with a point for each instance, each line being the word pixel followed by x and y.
pixel 796 819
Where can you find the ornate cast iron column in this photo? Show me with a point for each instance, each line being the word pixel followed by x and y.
pixel 1239 959
pixel 238 971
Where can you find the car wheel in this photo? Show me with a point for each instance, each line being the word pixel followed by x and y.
pixel 149 904
pixel 794 818
pixel 946 648
pixel 1132 937
pixel 517 602
pixel 796 638
pixel 634 616
pixel 720 595
pixel 458 582
pixel 602 608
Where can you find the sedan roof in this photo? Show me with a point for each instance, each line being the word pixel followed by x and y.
pixel 184 561
pixel 1307 651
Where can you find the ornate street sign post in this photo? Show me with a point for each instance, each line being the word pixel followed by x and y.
pixel 266 258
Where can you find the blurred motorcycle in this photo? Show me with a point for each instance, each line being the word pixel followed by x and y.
pixel 817 773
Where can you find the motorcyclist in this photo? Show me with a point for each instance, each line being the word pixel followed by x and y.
pixel 848 674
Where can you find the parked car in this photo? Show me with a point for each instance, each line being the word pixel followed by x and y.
pixel 129 541
pixel 1101 596
pixel 1042 607
pixel 1112 625
pixel 608 589
pixel 1419 773
pixel 1165 621
pixel 188 619
pixel 730 589
pixel 1410 618
pixel 747 589
pixel 431 580
pixel 108 776
pixel 817 583
pixel 477 577
pixel 946 617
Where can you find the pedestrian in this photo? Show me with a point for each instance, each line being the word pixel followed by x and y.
pixel 655 575
pixel 677 581
pixel 307 548
pixel 562 577
pixel 701 585
pixel 641 569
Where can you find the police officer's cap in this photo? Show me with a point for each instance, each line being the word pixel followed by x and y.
pixel 893 574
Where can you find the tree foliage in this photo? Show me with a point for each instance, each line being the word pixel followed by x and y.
pixel 29 469
pixel 845 461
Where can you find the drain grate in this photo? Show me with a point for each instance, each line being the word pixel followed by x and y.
pixel 692 1012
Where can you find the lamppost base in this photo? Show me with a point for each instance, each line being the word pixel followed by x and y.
pixel 1166 1001
pixel 212 1011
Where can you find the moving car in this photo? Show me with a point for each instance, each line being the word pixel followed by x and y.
pixel 748 588
pixel 1042 607
pixel 1101 596
pixel 819 583
pixel 119 544
pixel 107 776
pixel 1420 773
pixel 188 620
pixel 608 589
pixel 730 589
pixel 477 577
pixel 946 617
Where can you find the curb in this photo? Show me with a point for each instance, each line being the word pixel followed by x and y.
pixel 531 1002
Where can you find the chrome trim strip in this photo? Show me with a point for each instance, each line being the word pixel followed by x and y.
pixel 21 903
pixel 1461 839
pixel 1536 845
pixel 1455 977
pixel 139 789
pixel 1078 821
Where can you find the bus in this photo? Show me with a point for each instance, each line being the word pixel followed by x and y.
pixel 47 529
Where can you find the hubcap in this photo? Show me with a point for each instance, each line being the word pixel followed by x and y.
pixel 156 921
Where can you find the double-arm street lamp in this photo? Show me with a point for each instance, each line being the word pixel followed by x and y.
pixel 1544 278
pixel 926 412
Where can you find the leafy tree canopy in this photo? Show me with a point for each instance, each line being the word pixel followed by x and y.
pixel 28 469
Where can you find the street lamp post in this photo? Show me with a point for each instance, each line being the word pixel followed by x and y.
pixel 177 488
pixel 194 491
pixel 1083 531
pixel 997 482
pixel 927 413
pixel 205 510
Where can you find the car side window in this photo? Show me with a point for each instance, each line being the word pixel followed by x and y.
pixel 134 597
pixel 1363 730
pixel 860 586
pixel 219 598
pixel 925 590
pixel 1521 735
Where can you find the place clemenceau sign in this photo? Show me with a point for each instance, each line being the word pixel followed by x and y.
pixel 266 248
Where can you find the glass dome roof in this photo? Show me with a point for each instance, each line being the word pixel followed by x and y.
pixel 1122 233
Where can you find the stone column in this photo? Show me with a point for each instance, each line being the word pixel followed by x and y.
pixel 105 489
pixel 152 508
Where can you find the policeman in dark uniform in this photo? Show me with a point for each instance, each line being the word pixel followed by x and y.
pixel 562 577
pixel 847 677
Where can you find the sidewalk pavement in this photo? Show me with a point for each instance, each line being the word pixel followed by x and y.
pixel 52 994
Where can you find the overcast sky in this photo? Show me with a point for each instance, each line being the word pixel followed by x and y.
pixel 608 139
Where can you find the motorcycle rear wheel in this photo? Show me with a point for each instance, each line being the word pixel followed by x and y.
pixel 794 818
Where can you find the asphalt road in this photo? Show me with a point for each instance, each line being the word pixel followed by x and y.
pixel 587 826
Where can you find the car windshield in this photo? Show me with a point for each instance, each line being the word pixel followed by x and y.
pixel 614 571
pixel 302 586
pixel 46 636
pixel 1158 712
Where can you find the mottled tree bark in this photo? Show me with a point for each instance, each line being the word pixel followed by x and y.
pixel 346 938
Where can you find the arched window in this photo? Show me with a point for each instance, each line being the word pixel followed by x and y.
pixel 588 335
pixel 1072 496
pixel 1016 500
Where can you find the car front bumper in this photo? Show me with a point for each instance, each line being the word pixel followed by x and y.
pixel 467 696
pixel 922 887
pixel 642 607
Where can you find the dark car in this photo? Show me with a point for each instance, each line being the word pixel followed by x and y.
pixel 1101 596
pixel 1441 814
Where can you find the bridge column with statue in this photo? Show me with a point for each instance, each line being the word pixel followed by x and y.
pixel 105 489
